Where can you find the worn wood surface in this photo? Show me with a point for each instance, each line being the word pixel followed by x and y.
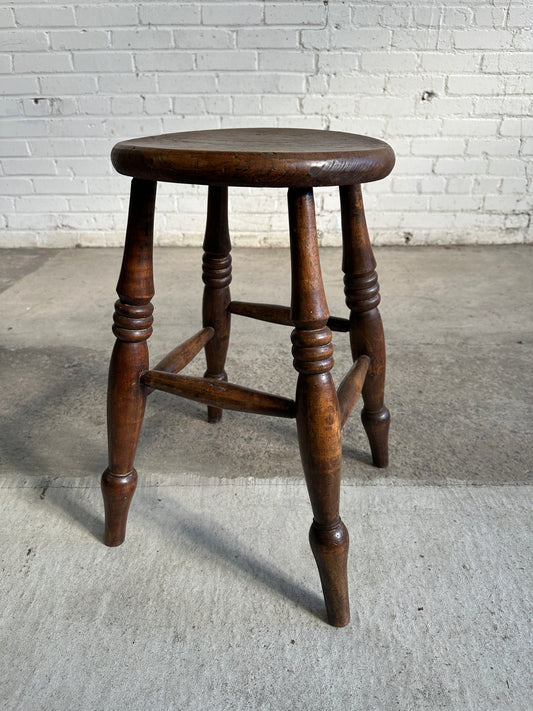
pixel 216 274
pixel 256 157
pixel 366 329
pixel 299 159
pixel 317 407
pixel 126 396
pixel 220 394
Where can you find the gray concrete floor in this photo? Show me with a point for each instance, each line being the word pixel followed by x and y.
pixel 214 600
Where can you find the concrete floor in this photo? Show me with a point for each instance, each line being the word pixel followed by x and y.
pixel 214 600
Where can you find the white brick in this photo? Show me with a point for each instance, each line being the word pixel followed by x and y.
pixel 415 166
pixel 386 106
pixel 514 61
pixel 457 17
pixel 19 85
pixel 460 185
pixel 469 127
pixel 295 13
pixel 232 14
pixel 518 186
pixel 45 16
pixel 127 83
pixel 454 203
pixel 516 127
pixel 156 13
pixel 333 62
pixel 79 39
pixel 475 84
pixel 470 166
pixel 15 186
pixel 170 61
pixel 42 63
pixel 5 64
pixel 438 146
pixel 218 104
pixel 11 106
pixel 14 148
pixel 198 39
pixel 365 15
pixel 280 105
pixel 520 16
pixel 420 39
pixel 414 126
pixel 155 104
pixel 187 83
pixel 57 146
pixel 483 39
pixel 109 61
pixel 267 37
pixel 490 16
pixel 446 62
pixel 356 84
pixel 286 61
pixel 315 39
pixel 24 129
pixel 239 60
pixel 143 38
pixel 356 38
pixel 59 84
pixel 126 105
pixel 507 166
pixel 106 15
pixel 7 18
pixel 23 40
pixel 491 147
pixel 247 105
pixel 393 63
pixel 426 16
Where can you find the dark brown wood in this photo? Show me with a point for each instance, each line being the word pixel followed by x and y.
pixel 271 313
pixel 126 396
pixel 317 407
pixel 183 354
pixel 299 159
pixel 256 157
pixel 220 394
pixel 216 274
pixel 350 388
pixel 366 329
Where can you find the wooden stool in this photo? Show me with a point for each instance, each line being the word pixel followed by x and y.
pixel 299 160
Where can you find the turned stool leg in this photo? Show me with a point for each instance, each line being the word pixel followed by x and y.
pixel 317 407
pixel 216 275
pixel 366 330
pixel 126 396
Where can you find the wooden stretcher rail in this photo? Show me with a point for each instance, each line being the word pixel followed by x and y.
pixel 350 388
pixel 217 393
pixel 272 313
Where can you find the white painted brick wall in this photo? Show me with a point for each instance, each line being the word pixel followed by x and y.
pixel 448 84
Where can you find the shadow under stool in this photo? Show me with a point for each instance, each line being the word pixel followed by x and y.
pixel 299 160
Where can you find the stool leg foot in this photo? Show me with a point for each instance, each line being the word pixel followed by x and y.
pixel 117 492
pixel 126 395
pixel 317 407
pixel 330 548
pixel 366 329
pixel 216 275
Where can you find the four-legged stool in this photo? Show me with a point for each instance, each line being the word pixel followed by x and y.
pixel 289 158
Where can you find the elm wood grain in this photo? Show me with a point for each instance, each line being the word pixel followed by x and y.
pixel 366 329
pixel 216 275
pixel 126 396
pixel 350 388
pixel 256 157
pixel 317 407
pixel 220 394
pixel 281 315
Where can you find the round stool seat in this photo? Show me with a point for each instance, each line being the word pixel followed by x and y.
pixel 256 157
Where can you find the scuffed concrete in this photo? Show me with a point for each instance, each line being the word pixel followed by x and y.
pixel 214 600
